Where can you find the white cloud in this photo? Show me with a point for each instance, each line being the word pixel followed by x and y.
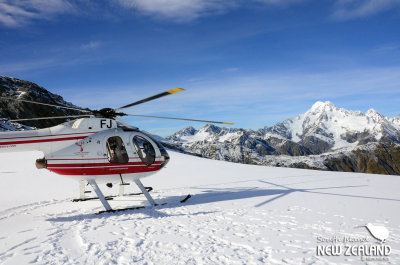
pixel 350 9
pixel 15 13
pixel 280 2
pixel 91 45
pixel 187 10
pixel 232 69
pixel 178 10
pixel 386 48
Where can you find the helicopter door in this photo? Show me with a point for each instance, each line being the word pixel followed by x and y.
pixel 144 149
pixel 116 150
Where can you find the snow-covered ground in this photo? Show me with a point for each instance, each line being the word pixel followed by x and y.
pixel 239 214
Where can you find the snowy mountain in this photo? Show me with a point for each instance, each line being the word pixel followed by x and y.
pixel 325 137
pixel 238 214
pixel 20 89
pixel 326 127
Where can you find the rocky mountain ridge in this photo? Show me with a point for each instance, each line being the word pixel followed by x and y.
pixel 20 89
pixel 325 137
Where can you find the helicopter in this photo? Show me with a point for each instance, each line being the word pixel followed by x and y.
pixel 95 147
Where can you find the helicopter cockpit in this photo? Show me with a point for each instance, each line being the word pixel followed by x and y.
pixel 164 154
pixel 144 149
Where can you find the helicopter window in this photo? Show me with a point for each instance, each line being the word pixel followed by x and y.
pixel 145 150
pixel 116 150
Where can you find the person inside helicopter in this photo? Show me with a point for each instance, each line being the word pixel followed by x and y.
pixel 116 150
pixel 150 152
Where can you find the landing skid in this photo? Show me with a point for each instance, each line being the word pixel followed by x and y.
pixel 111 197
pixel 104 201
pixel 139 207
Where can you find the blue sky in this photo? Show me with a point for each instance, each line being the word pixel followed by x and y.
pixel 254 62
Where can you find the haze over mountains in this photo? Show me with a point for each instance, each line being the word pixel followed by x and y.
pixel 325 137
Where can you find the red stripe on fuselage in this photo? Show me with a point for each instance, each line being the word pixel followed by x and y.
pixel 100 164
pixel 102 168
pixel 44 140
pixel 50 135
pixel 87 158
pixel 73 159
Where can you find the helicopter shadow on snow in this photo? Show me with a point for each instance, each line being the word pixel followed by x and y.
pixel 149 212
pixel 212 195
pixel 217 195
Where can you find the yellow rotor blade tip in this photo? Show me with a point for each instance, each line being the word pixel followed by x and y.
pixel 175 90
pixel 229 123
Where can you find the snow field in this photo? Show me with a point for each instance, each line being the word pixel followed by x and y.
pixel 239 214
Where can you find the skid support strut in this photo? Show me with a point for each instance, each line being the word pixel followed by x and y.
pixel 121 186
pixel 145 192
pixel 103 200
pixel 82 184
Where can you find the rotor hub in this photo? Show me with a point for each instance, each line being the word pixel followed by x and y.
pixel 108 113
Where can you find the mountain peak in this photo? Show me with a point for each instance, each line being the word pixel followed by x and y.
pixel 211 128
pixel 374 114
pixel 321 105
pixel 371 111
pixel 187 131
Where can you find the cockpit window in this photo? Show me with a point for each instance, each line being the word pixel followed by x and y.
pixel 116 150
pixel 145 150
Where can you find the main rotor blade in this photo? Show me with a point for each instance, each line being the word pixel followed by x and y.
pixel 56 117
pixel 182 119
pixel 163 94
pixel 46 104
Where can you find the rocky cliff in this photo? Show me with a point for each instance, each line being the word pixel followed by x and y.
pixel 20 89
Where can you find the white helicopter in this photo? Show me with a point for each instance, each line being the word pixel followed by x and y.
pixel 96 148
